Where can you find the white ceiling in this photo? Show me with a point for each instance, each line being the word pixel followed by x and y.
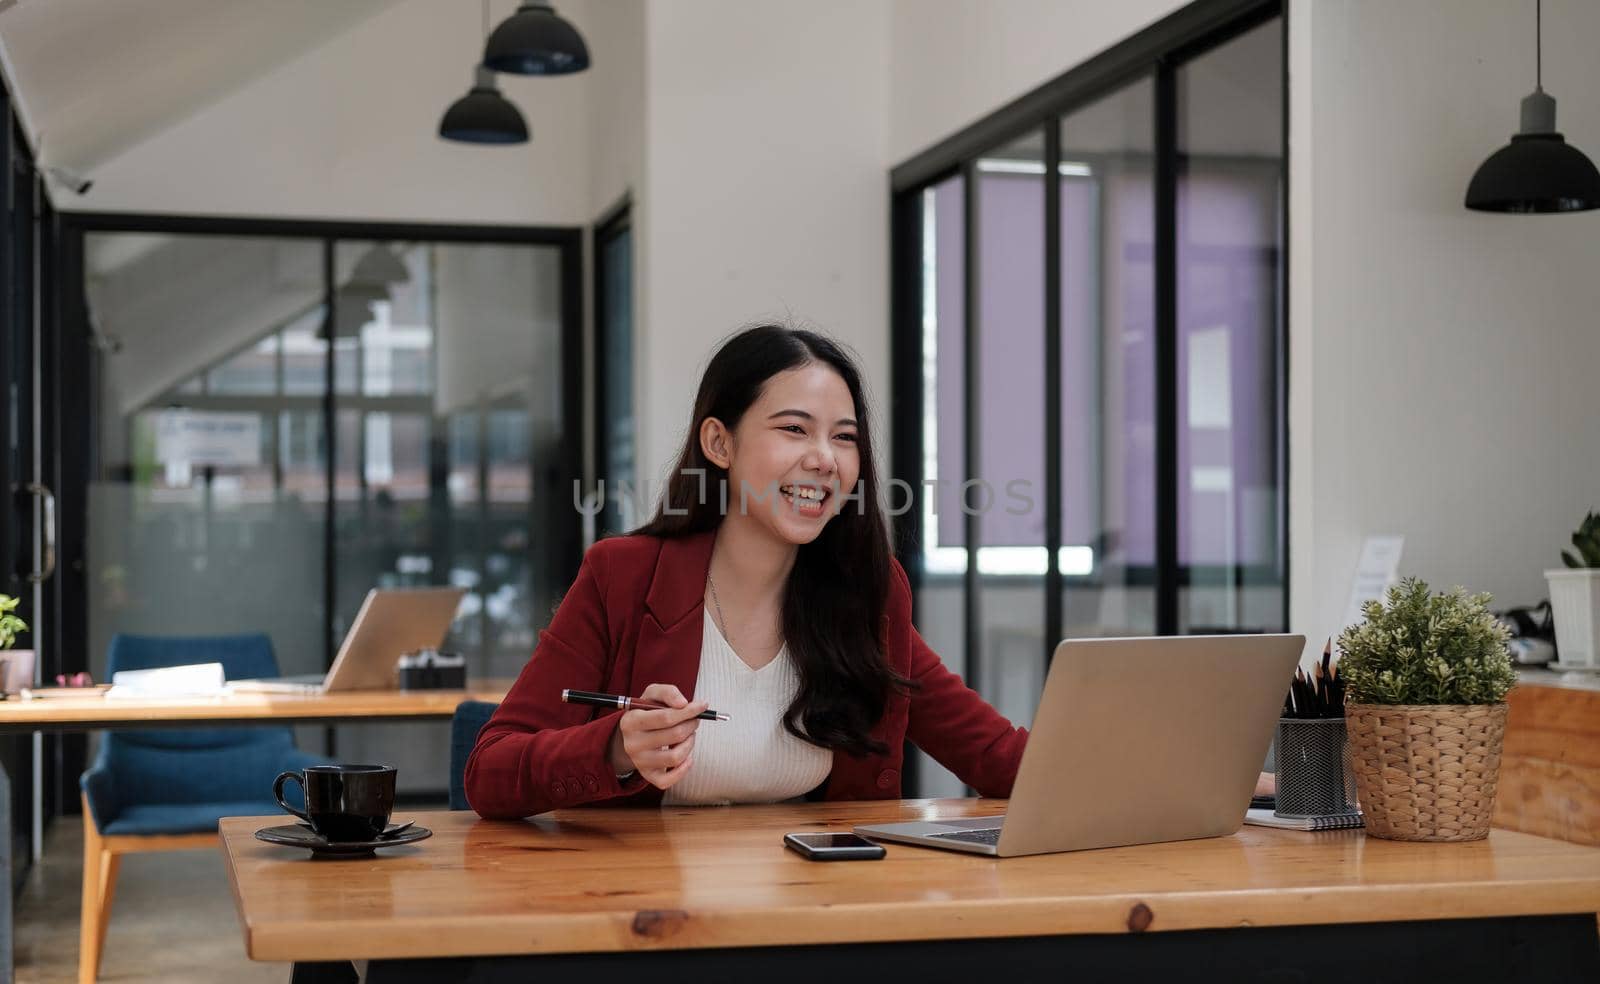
pixel 93 78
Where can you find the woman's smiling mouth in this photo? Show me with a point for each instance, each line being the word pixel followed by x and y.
pixel 807 500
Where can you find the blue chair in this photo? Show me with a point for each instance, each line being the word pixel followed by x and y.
pixel 468 720
pixel 166 790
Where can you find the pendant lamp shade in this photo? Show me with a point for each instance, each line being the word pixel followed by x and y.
pixel 1538 171
pixel 536 41
pixel 379 267
pixel 483 115
pixel 371 280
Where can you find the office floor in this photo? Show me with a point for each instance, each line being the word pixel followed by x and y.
pixel 173 919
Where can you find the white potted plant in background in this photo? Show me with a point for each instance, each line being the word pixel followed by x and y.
pixel 1575 600
pixel 16 666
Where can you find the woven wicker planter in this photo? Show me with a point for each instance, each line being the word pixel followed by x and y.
pixel 1426 772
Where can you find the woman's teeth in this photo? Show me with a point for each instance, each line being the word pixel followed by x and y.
pixel 807 501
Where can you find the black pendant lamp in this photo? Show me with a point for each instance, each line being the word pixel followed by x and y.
pixel 1538 171
pixel 536 41
pixel 483 115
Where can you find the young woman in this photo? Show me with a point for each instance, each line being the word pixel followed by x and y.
pixel 763 588
pixel 783 609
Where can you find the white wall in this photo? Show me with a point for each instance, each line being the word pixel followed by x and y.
pixel 953 62
pixel 88 78
pixel 349 130
pixel 1443 361
pixel 618 103
pixel 766 189
pixel 615 33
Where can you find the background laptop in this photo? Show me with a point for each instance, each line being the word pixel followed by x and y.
pixel 392 621
pixel 1135 741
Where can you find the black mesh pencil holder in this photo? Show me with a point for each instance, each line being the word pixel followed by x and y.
pixel 1314 774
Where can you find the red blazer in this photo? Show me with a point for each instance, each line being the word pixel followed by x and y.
pixel 633 618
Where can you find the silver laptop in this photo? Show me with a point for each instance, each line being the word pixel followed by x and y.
pixel 391 622
pixel 1135 741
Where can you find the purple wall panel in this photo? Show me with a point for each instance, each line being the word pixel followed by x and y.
pixel 1132 245
pixel 1011 368
pixel 1080 361
pixel 1227 270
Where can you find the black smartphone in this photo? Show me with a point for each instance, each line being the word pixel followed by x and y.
pixel 834 847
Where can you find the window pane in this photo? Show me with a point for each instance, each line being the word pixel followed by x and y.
pixel 305 355
pixel 447 410
pixel 203 518
pixel 1009 498
pixel 302 455
pixel 1229 268
pixel 1108 365
pixel 255 370
pixel 454 352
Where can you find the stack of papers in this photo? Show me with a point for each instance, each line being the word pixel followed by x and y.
pixel 195 680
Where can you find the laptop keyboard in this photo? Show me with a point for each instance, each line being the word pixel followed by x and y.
pixel 990 836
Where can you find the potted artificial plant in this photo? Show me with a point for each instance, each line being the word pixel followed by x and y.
pixel 1425 679
pixel 16 666
pixel 1575 599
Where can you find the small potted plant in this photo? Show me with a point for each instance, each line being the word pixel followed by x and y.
pixel 1426 677
pixel 1575 599
pixel 16 666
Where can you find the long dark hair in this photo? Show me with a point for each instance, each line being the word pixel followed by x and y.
pixel 833 603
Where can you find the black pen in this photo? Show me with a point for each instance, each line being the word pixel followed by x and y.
pixel 629 703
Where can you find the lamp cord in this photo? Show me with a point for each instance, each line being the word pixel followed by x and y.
pixel 486 20
pixel 1538 38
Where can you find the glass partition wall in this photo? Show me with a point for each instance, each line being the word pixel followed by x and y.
pixel 284 422
pixel 1088 351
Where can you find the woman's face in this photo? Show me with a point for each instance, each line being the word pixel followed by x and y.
pixel 793 455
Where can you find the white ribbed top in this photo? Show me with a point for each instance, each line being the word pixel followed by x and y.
pixel 750 758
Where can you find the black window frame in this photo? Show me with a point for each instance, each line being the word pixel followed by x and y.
pixel 1157 53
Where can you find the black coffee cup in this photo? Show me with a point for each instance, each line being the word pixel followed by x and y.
pixel 343 802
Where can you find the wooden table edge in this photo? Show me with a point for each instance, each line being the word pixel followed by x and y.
pixel 89 714
pixel 238 900
pixel 847 923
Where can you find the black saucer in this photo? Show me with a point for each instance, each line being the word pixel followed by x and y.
pixel 300 835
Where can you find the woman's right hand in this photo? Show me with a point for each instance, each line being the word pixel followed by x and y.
pixel 659 744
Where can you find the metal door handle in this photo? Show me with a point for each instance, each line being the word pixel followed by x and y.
pixel 48 500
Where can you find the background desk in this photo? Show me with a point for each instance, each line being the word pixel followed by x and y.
pixel 91 713
pixel 710 894
pixel 1550 770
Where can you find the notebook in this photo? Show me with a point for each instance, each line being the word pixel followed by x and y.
pixel 1266 818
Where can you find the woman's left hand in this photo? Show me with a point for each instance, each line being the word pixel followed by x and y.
pixel 1267 784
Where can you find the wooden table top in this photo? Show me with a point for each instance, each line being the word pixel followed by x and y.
pixel 84 713
pixel 601 880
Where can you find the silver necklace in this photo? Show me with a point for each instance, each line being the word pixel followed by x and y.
pixel 718 603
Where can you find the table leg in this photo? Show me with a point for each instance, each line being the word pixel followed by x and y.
pixel 331 972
